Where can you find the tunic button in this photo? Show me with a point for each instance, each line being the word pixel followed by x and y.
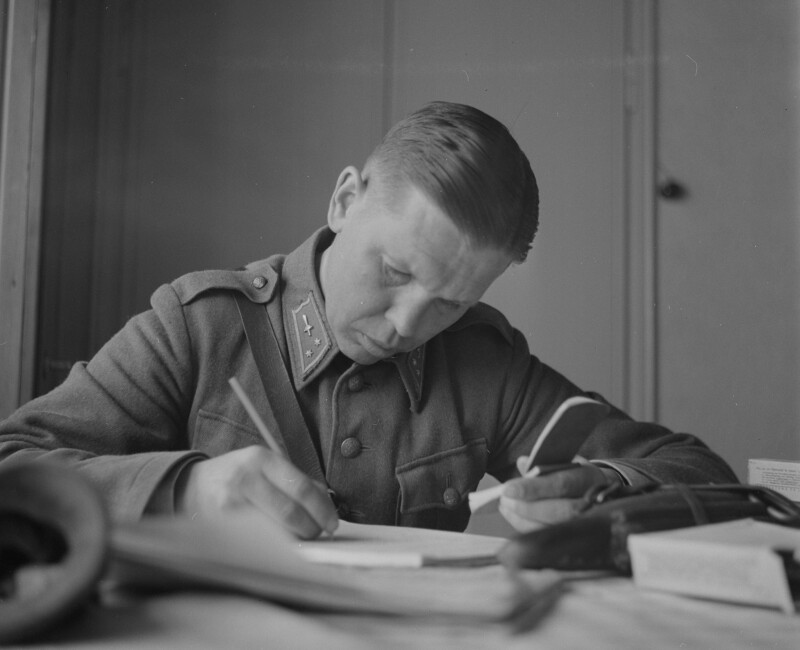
pixel 259 282
pixel 355 383
pixel 451 497
pixel 351 447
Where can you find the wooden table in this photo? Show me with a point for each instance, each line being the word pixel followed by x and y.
pixel 594 611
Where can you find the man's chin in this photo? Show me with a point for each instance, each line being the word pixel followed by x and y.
pixel 361 357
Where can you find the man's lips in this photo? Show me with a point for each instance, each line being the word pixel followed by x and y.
pixel 374 347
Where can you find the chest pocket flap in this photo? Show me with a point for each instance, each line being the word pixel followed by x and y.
pixel 442 480
pixel 216 435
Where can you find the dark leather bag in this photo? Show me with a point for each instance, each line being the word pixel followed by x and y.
pixel 53 546
pixel 597 537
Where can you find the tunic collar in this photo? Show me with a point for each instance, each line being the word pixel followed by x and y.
pixel 312 346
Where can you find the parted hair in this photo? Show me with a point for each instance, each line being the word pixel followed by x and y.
pixel 471 166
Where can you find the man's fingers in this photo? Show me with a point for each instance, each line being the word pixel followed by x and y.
pixel 531 502
pixel 568 483
pixel 530 515
pixel 314 498
pixel 258 477
pixel 299 503
pixel 265 497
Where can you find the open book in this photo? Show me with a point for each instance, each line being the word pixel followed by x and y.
pixel 557 444
pixel 249 554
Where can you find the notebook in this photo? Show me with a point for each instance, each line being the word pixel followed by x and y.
pixel 557 444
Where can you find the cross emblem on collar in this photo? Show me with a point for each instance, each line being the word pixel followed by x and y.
pixel 309 335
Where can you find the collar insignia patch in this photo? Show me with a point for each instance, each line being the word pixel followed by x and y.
pixel 310 334
pixel 415 361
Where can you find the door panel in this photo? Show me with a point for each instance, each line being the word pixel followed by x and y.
pixel 729 250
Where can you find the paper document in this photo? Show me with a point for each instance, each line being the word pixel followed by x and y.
pixel 389 546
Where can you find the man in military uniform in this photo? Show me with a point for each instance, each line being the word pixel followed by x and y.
pixel 408 389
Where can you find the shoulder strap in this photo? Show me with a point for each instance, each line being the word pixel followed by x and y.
pixel 284 416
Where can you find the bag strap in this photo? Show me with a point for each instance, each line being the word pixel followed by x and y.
pixel 283 416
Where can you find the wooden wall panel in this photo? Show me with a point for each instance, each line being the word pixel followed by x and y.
pixel 69 203
pixel 24 41
pixel 246 113
pixel 729 251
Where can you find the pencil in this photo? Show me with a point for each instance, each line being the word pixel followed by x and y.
pixel 255 417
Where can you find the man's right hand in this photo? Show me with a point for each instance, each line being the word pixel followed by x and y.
pixel 256 477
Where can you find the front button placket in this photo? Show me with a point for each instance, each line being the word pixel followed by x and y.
pixel 369 428
pixel 350 466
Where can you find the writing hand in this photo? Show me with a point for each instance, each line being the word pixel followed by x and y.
pixel 531 502
pixel 256 477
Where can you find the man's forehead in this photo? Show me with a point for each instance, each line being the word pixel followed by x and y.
pixel 396 191
pixel 453 272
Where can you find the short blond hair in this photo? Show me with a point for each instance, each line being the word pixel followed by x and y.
pixel 471 166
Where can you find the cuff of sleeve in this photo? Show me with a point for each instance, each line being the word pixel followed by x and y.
pixel 162 500
pixel 627 474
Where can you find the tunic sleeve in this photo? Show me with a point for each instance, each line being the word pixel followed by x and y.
pixel 120 418
pixel 638 451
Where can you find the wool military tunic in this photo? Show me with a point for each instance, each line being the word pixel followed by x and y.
pixel 402 441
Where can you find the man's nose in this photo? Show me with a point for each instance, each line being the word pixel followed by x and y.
pixel 407 316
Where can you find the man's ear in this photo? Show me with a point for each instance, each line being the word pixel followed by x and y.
pixel 349 187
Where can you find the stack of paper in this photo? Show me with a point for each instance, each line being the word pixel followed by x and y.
pixel 246 553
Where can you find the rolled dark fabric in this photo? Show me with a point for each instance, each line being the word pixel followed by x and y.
pixel 596 539
pixel 54 533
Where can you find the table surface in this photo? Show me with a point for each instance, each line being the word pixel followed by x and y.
pixel 596 611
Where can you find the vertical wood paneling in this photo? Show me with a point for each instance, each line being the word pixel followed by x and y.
pixel 21 135
pixel 639 181
pixel 69 207
pixel 121 31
